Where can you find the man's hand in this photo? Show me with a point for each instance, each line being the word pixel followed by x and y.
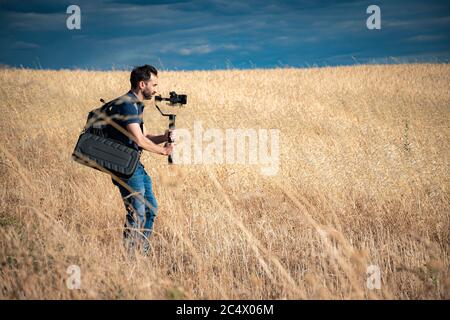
pixel 168 148
pixel 169 134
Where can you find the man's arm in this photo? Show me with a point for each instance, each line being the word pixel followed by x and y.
pixel 145 143
pixel 158 138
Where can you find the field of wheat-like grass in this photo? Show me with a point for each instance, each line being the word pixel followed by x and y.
pixel 363 180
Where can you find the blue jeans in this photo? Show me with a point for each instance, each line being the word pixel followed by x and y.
pixel 141 207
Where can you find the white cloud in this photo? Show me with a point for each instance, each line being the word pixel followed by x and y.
pixel 202 49
pixel 31 21
pixel 426 37
pixel 206 48
pixel 24 45
pixel 230 46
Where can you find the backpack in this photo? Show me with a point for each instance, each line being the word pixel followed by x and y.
pixel 97 150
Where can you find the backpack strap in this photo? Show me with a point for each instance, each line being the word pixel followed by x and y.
pixel 106 108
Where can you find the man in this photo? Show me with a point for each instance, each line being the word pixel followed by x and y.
pixel 127 112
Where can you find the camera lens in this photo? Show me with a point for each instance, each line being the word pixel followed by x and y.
pixel 182 98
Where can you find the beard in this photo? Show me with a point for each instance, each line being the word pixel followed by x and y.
pixel 147 94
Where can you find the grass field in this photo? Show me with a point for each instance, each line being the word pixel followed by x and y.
pixel 363 180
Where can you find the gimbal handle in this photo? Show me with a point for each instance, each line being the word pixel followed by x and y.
pixel 171 127
pixel 170 140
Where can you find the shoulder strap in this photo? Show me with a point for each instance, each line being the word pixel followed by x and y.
pixel 106 108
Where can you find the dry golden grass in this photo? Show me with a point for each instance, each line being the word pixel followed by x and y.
pixel 363 180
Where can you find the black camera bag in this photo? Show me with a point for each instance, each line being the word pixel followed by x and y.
pixel 96 150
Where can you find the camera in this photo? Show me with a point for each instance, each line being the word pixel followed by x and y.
pixel 174 98
pixel 178 98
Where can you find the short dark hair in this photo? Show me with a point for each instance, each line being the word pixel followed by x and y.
pixel 142 73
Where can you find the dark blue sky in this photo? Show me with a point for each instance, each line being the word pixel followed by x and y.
pixel 187 35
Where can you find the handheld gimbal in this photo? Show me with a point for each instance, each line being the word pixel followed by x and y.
pixel 174 100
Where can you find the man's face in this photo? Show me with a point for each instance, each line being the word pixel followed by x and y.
pixel 149 87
